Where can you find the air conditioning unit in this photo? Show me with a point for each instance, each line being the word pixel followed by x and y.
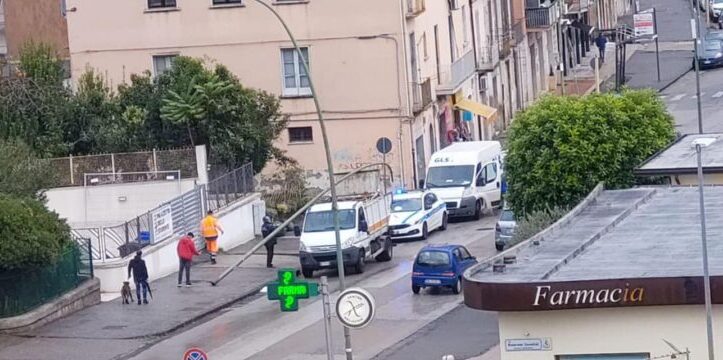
pixel 454 4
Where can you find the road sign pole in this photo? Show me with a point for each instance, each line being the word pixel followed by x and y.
pixel 326 301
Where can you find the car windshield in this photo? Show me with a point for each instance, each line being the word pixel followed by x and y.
pixel 405 205
pixel 712 46
pixel 717 1
pixel 507 215
pixel 324 221
pixel 433 258
pixel 450 176
pixel 714 34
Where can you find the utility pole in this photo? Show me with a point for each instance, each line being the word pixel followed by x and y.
pixel 329 167
pixel 326 304
pixel 695 29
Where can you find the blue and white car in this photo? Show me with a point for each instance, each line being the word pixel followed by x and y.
pixel 415 214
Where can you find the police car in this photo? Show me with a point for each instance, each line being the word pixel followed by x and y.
pixel 415 214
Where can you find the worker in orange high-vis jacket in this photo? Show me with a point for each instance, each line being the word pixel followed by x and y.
pixel 210 229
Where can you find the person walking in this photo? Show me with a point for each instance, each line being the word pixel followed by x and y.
pixel 601 41
pixel 137 266
pixel 186 249
pixel 210 229
pixel 266 229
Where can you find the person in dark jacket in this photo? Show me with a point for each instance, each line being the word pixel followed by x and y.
pixel 266 229
pixel 137 267
pixel 601 41
pixel 186 249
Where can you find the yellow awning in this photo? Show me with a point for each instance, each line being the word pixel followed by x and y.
pixel 488 112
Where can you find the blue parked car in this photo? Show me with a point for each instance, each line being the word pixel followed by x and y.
pixel 441 266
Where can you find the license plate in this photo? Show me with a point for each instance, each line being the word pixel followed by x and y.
pixel 432 281
pixel 325 263
pixel 707 62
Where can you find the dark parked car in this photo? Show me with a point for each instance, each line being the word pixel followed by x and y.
pixel 441 266
pixel 710 54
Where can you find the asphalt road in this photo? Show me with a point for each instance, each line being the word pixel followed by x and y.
pixel 258 330
pixel 682 101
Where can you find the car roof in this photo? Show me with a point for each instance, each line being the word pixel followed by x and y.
pixel 441 247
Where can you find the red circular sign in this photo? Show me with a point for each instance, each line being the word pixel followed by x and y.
pixel 195 354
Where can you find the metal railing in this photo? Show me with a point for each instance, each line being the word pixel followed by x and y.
pixel 421 95
pixel 453 75
pixel 486 53
pixel 230 187
pixel 170 219
pixel 541 17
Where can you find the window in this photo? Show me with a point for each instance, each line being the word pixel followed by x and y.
pixel 491 172
pixel 162 63
pixel 300 134
pixel 406 205
pixel 226 2
pixel 433 258
pixel 424 46
pixel 319 221
pixel 296 81
pixel 464 25
pixel 155 4
pixel 465 254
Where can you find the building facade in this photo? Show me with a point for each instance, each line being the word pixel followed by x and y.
pixel 23 21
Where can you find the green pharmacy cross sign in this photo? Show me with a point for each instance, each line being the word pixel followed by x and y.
pixel 288 290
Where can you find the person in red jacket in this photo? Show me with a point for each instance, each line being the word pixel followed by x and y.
pixel 186 250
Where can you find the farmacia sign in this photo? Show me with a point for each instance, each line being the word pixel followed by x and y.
pixel 549 297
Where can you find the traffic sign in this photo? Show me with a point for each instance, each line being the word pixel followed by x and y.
pixel 195 354
pixel 384 145
pixel 288 290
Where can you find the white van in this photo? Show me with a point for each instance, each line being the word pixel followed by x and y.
pixel 363 224
pixel 467 177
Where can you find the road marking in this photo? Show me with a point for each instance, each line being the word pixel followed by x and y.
pixel 718 94
pixel 696 96
pixel 677 97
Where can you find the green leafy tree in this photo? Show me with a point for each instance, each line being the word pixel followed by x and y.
pixel 31 236
pixel 561 147
pixel 22 173
pixel 40 62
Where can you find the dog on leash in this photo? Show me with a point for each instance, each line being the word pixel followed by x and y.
pixel 126 293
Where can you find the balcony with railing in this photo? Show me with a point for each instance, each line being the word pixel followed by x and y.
pixel 542 16
pixel 421 95
pixel 415 7
pixel 452 76
pixel 487 57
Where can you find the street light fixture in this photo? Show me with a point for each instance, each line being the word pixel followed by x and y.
pixel 699 144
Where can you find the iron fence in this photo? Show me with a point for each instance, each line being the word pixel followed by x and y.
pixel 24 290
pixel 171 219
pixel 230 187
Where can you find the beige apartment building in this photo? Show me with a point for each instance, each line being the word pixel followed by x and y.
pixel 423 73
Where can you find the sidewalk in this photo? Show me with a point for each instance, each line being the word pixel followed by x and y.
pixel 170 309
pixel 491 354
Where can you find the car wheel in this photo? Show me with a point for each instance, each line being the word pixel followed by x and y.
pixel 444 222
pixel 308 273
pixel 478 210
pixel 500 247
pixel 425 231
pixel 360 264
pixel 457 287
pixel 387 254
pixel 415 289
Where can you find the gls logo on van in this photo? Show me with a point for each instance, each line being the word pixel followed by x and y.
pixel 442 160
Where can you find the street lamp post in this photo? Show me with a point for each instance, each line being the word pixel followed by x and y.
pixel 699 144
pixel 329 167
pixel 695 21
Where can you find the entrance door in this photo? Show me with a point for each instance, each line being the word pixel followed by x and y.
pixel 421 165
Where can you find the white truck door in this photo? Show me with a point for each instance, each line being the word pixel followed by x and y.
pixel 492 187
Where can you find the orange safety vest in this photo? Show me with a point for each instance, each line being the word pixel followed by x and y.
pixel 208 226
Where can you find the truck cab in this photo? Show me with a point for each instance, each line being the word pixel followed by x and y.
pixel 467 176
pixel 363 224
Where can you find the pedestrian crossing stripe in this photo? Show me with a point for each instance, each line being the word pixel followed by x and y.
pixel 718 94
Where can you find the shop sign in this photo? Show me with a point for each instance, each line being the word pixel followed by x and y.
pixel 644 24
pixel 538 344
pixel 551 297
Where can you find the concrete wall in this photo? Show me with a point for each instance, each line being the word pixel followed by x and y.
pixel 35 20
pixel 112 204
pixel 611 330
pixel 161 259
pixel 85 295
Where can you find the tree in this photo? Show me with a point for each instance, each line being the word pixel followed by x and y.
pixel 561 147
pixel 31 236
pixel 40 62
pixel 22 173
